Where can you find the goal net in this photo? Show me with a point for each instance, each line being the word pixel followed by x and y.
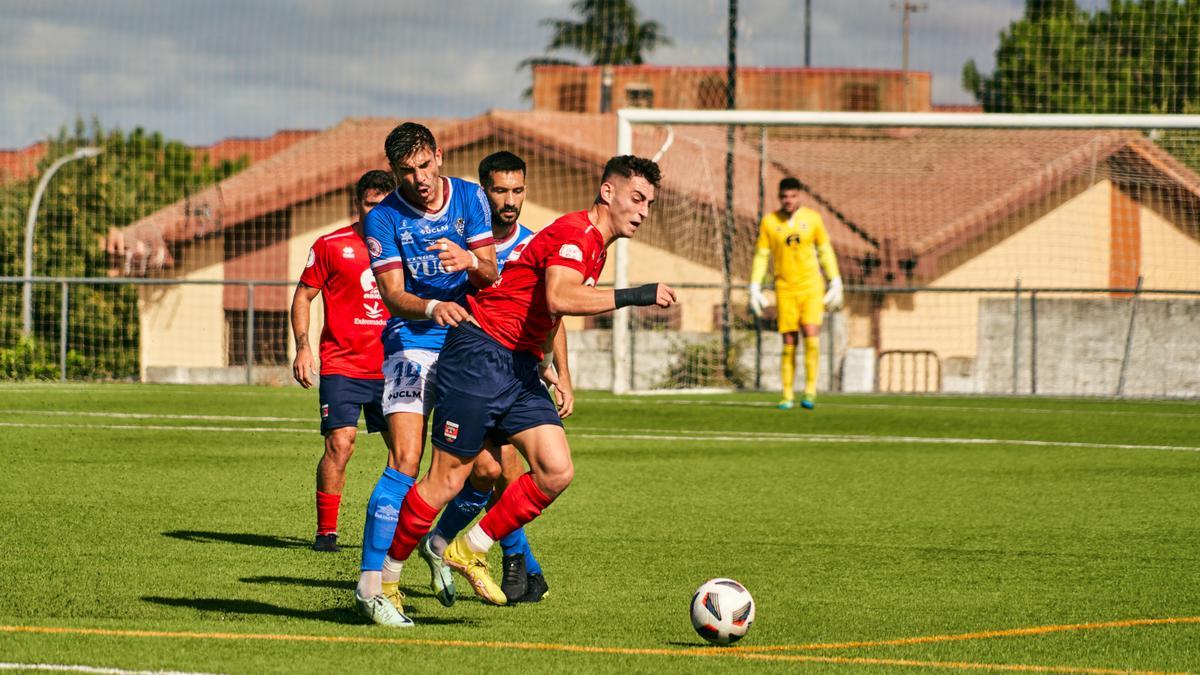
pixel 981 253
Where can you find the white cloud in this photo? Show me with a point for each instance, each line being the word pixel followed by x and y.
pixel 200 71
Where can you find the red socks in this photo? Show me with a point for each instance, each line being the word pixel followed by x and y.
pixel 327 512
pixel 416 518
pixel 521 503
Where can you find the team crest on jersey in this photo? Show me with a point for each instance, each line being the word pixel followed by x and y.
pixel 451 431
pixel 571 252
pixel 460 227
pixel 348 252
pixel 374 247
pixel 406 238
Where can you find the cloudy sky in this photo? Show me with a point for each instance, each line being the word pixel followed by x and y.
pixel 202 70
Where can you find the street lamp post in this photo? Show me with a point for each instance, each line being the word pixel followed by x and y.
pixel 30 220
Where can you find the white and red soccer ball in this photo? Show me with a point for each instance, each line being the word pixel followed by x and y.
pixel 722 611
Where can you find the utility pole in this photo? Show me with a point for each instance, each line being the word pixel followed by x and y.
pixel 807 33
pixel 907 9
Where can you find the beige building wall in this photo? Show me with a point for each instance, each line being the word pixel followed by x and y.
pixel 946 323
pixel 1170 256
pixel 185 325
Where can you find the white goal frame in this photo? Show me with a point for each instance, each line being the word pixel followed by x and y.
pixel 627 117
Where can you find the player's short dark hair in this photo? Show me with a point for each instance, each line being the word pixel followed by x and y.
pixel 628 166
pixel 503 162
pixel 376 179
pixel 789 183
pixel 407 140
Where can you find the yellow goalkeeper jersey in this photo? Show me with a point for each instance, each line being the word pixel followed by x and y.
pixel 799 247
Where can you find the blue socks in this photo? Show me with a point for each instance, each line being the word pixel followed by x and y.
pixel 383 512
pixel 461 511
pixel 516 543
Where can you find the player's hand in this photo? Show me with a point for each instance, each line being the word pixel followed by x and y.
pixel 834 297
pixel 666 296
pixel 449 314
pixel 304 368
pixel 758 301
pixel 452 256
pixel 566 397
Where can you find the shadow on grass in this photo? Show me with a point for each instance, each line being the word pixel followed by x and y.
pixel 340 615
pixel 342 584
pixel 242 538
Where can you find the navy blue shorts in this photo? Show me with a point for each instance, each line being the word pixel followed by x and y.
pixel 485 391
pixel 341 399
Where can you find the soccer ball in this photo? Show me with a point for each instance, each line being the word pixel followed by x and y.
pixel 722 611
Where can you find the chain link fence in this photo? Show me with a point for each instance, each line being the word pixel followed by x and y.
pixel 1136 342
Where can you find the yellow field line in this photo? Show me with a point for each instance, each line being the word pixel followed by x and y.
pixel 581 649
pixel 1007 632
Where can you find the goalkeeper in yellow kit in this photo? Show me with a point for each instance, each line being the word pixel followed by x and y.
pixel 794 237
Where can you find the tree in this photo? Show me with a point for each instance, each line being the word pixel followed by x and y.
pixel 607 32
pixel 138 173
pixel 1134 57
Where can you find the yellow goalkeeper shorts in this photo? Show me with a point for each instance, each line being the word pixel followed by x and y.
pixel 795 310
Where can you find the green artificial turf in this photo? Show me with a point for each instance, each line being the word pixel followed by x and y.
pixel 167 528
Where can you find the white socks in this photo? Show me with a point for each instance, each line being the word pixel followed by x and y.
pixel 437 543
pixel 370 584
pixel 478 540
pixel 391 570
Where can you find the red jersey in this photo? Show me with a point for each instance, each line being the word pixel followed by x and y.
pixel 514 310
pixel 340 267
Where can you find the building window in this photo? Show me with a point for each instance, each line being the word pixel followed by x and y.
pixel 639 96
pixel 860 97
pixel 572 97
pixel 710 93
pixel 270 337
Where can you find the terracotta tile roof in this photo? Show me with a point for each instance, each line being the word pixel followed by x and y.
pixel 308 168
pixel 889 195
pixel 254 149
pixel 21 164
pixel 927 191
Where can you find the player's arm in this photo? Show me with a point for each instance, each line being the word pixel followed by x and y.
pixel 403 304
pixel 833 296
pixel 566 392
pixel 758 270
pixel 480 263
pixel 567 295
pixel 304 366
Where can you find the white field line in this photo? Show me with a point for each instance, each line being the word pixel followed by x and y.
pixel 156 427
pixel 64 668
pixel 654 435
pixel 903 406
pixel 166 416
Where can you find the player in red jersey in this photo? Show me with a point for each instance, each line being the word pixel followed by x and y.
pixel 488 386
pixel 339 269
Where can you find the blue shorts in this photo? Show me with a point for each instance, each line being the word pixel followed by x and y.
pixel 341 399
pixel 485 391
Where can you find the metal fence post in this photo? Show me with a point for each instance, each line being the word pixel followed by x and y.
pixel 62 332
pixel 1016 365
pixel 250 333
pixel 757 353
pixel 1129 336
pixel 1033 340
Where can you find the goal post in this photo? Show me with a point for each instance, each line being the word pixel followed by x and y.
pixel 1174 174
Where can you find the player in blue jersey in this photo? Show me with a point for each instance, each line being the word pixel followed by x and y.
pixel 430 242
pixel 502 176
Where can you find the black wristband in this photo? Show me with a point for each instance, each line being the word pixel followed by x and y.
pixel 640 296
